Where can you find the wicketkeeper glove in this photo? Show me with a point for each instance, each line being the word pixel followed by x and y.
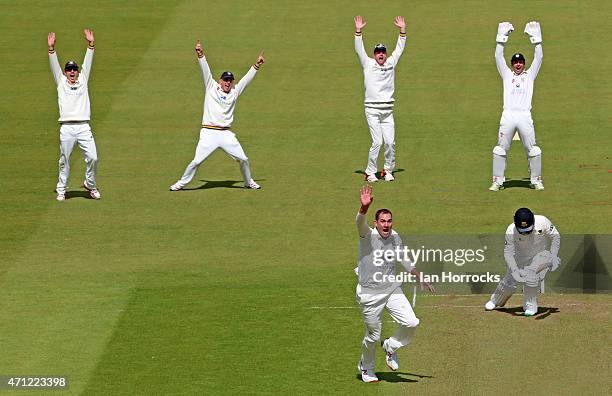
pixel 503 30
pixel 555 263
pixel 535 33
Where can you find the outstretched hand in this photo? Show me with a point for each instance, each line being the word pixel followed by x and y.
pixel 198 49
pixel 359 23
pixel 51 40
pixel 260 59
pixel 400 23
pixel 428 286
pixel 366 198
pixel 89 36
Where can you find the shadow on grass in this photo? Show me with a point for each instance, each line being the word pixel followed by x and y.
pixel 77 194
pixel 219 184
pixel 543 312
pixel 359 171
pixel 393 376
pixel 523 183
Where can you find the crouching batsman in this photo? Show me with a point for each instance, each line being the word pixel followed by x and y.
pixel 531 250
pixel 377 289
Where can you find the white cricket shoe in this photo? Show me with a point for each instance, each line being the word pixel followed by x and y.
pixel 538 186
pixel 371 178
pixel 389 176
pixel 489 306
pixel 367 375
pixel 61 197
pixel 175 187
pixel 530 312
pixel 390 358
pixel 93 192
pixel 495 187
pixel 252 185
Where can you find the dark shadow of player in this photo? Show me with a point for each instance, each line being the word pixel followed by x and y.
pixel 543 312
pixel 396 376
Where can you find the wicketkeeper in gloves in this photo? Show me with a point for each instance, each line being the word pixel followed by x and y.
pixel 518 90
pixel 531 250
pixel 375 291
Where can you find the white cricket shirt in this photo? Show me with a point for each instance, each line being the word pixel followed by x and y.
pixel 73 99
pixel 379 80
pixel 218 105
pixel 370 271
pixel 518 89
pixel 521 249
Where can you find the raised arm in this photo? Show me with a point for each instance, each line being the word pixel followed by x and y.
pixel 209 82
pixel 401 40
pixel 246 80
pixel 503 31
pixel 366 199
pixel 537 61
pixel 56 69
pixel 533 30
pixel 87 62
pixel 361 53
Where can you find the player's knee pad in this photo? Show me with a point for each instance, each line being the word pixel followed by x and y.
pixel 498 150
pixel 534 151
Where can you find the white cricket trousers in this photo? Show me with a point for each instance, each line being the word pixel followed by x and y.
pixel 70 135
pixel 520 121
pixel 382 130
pixel 400 310
pixel 210 140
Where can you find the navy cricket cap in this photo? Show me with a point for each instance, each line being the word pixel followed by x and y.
pixel 227 75
pixel 524 220
pixel 380 47
pixel 518 57
pixel 71 65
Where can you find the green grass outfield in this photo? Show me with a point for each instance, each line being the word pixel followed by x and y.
pixel 210 290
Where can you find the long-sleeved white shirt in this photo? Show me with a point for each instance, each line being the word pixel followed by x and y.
pixel 519 249
pixel 518 89
pixel 218 105
pixel 73 99
pixel 369 242
pixel 379 80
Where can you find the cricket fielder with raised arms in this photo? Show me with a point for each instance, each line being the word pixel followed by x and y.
pixel 518 86
pixel 219 104
pixel 376 291
pixel 531 249
pixel 75 114
pixel 379 81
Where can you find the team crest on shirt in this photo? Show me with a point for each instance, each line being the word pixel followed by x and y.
pixel 518 83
